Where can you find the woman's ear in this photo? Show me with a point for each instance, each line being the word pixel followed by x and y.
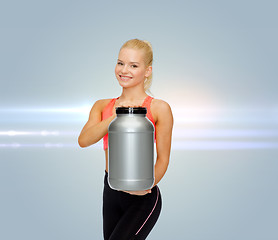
pixel 148 71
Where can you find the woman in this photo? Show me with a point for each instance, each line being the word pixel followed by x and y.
pixel 131 215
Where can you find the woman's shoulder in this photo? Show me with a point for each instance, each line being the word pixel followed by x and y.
pixel 160 107
pixel 160 104
pixel 102 103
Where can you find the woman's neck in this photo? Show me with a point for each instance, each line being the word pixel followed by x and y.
pixel 131 94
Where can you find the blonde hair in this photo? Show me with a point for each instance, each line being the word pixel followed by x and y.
pixel 147 47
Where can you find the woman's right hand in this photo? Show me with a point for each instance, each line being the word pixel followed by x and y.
pixel 95 128
pixel 119 103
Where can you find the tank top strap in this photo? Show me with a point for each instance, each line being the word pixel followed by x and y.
pixel 111 103
pixel 147 104
pixel 107 111
pixel 147 101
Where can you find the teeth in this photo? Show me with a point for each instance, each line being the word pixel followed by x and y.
pixel 125 78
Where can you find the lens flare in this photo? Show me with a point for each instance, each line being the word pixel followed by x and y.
pixel 194 128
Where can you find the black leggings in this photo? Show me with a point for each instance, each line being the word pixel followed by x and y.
pixel 126 216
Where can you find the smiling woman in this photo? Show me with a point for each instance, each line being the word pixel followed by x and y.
pixel 131 68
pixel 136 55
pixel 131 214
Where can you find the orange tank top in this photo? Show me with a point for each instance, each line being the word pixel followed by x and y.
pixel 107 112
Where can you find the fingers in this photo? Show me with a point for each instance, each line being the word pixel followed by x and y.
pixel 128 104
pixel 131 106
pixel 139 193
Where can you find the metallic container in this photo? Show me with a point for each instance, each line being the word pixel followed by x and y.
pixel 131 150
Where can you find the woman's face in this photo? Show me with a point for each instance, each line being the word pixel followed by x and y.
pixel 130 69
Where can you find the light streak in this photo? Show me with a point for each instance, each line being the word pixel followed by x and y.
pixel 224 133
pixel 238 129
pixel 177 133
pixel 14 133
pixel 44 145
pixel 177 145
pixel 83 109
pixel 222 145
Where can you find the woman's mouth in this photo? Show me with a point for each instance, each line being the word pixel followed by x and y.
pixel 124 78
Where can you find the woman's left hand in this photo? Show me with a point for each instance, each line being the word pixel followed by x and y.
pixel 139 193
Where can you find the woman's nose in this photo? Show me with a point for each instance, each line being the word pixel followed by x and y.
pixel 124 69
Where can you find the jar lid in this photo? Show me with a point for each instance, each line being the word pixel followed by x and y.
pixel 131 110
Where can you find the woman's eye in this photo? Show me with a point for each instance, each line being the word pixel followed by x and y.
pixel 134 66
pixel 119 63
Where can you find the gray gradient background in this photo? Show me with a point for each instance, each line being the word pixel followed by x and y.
pixel 215 63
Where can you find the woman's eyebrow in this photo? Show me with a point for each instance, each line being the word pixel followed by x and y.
pixel 129 62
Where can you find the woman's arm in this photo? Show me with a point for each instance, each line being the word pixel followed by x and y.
pixel 164 126
pixel 95 129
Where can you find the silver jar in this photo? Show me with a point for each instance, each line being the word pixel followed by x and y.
pixel 131 150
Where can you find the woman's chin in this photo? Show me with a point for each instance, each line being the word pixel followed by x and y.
pixel 125 84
